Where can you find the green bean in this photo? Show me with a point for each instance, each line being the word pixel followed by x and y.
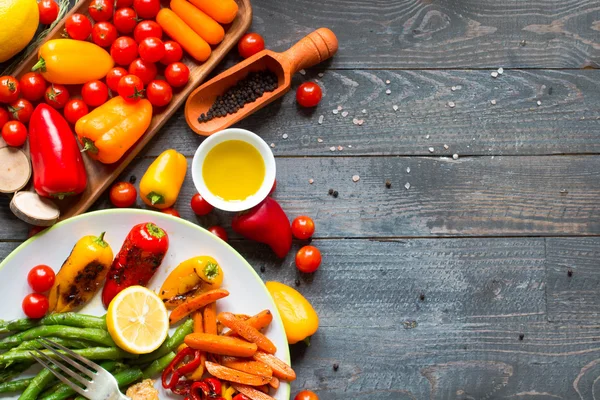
pixel 15 386
pixel 91 353
pixel 36 344
pixel 63 391
pixel 17 325
pixel 158 365
pixel 124 378
pixel 66 332
pixel 14 370
pixel 37 385
pixel 168 345
pixel 69 319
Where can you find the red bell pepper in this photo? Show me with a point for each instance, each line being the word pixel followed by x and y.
pixel 266 223
pixel 58 169
pixel 140 256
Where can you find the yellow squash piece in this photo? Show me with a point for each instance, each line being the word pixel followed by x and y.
pixel 191 277
pixel 162 182
pixel 81 275
pixel 18 22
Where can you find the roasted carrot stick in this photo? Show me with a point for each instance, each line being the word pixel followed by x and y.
pixel 274 383
pixel 258 321
pixel 247 331
pixel 183 34
pixel 195 303
pixel 223 11
pixel 280 369
pixel 249 366
pixel 250 392
pixel 210 319
pixel 198 322
pixel 232 375
pixel 202 24
pixel 223 345
pixel 198 328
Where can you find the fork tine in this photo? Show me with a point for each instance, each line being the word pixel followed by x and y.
pixel 63 367
pixel 59 376
pixel 77 365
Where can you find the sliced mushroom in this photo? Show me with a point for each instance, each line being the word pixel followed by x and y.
pixel 15 170
pixel 34 209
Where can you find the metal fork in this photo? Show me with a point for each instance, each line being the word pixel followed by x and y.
pixel 95 383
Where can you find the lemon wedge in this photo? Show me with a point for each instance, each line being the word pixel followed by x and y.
pixel 137 320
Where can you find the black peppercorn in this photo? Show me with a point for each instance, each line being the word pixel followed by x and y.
pixel 297 282
pixel 335 193
pixel 388 184
pixel 262 268
pixel 422 297
pixel 336 366
pixel 521 336
pixel 330 192
pixel 132 179
pixel 569 272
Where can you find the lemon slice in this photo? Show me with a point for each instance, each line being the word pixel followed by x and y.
pixel 137 320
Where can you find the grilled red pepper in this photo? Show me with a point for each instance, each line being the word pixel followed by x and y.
pixel 58 169
pixel 140 256
pixel 266 223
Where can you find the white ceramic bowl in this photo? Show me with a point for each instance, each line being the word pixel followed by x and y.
pixel 234 134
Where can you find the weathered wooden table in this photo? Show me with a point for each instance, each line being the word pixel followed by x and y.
pixel 475 276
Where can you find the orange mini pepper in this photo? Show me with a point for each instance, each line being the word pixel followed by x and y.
pixel 110 130
pixel 163 179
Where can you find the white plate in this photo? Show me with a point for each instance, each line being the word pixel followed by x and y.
pixel 248 294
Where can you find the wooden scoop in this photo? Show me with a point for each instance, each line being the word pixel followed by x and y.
pixel 311 50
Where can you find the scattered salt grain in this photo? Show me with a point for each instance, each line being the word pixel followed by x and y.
pixel 321 119
pixel 332 148
pixel 273 145
pixel 458 87
pixel 344 113
pixel 340 148
pixel 321 74
pixel 355 178
pixel 539 103
pixel 320 140
pixel 493 102
pixel 500 71
pixel 387 82
pixel 355 121
pixel 407 186
pixel 335 111
pixel 361 121
pixel 350 146
pixel 431 149
pixel 453 88
pixel 455 156
pixel 494 74
pixel 427 137
pixel 408 170
pixel 285 136
pixel 311 181
pixel 451 104
pixel 388 91
pixel 364 111
pixel 395 107
pixel 303 72
pixel 446 146
pixel 339 108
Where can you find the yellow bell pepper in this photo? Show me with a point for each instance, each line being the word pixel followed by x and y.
pixel 72 62
pixel 111 129
pixel 162 182
pixel 227 391
pixel 300 320
pixel 81 275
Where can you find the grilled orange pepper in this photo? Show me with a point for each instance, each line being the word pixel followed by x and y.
pixel 162 181
pixel 111 129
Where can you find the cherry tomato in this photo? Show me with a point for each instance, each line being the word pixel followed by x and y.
pixel 146 71
pixel 123 3
pixel 159 93
pixel 35 305
pixel 33 86
pixel 101 10
pixel 173 53
pixel 57 96
pixel 35 229
pixel 308 259
pixel 250 44
pixel 146 29
pixel 131 88
pixel 303 227
pixel 219 232
pixel 123 194
pixel 14 133
pixel 147 9
pixel 41 278
pixel 9 89
pixel 199 205
pixel 125 20
pixel 21 110
pixel 151 49
pixel 177 74
pixel 4 117
pixel 274 187
pixel 114 76
pixel 94 93
pixel 78 27
pixel 48 10
pixel 306 395
pixel 308 94
pixel 75 109
pixel 104 34
pixel 124 50
pixel 171 211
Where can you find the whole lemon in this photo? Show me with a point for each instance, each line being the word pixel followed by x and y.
pixel 18 23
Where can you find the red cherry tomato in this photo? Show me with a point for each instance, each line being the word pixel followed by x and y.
pixel 57 96
pixel 125 20
pixel 177 74
pixel 159 93
pixel 131 88
pixel 9 89
pixel 250 44
pixel 14 133
pixel 75 109
pixel 114 76
pixel 35 305
pixel 104 34
pixel 146 29
pixel 41 278
pixel 124 50
pixel 78 27
pixel 308 259
pixel 219 232
pixel 123 3
pixel 48 10
pixel 35 230
pixel 33 86
pixel 173 53
pixel 308 94
pixel 171 211
pixel 21 110
pixel 151 49
pixel 146 71
pixel 147 9
pixel 303 227
pixel 101 10
pixel 123 194
pixel 94 93
pixel 4 117
pixel 199 205
pixel 306 395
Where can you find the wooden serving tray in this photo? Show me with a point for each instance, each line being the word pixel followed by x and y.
pixel 100 176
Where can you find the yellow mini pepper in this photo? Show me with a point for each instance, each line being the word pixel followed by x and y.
pixel 300 320
pixel 111 129
pixel 162 182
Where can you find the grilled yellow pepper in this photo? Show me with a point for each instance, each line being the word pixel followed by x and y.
pixel 300 320
pixel 82 274
pixel 162 182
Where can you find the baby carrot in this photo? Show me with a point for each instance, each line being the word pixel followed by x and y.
pixel 202 24
pixel 250 392
pixel 223 345
pixel 223 11
pixel 183 34
pixel 274 383
pixel 246 331
pixel 258 321
pixel 198 325
pixel 198 328
pixel 210 319
pixel 280 369
pixel 195 303
pixel 233 375
pixel 248 366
